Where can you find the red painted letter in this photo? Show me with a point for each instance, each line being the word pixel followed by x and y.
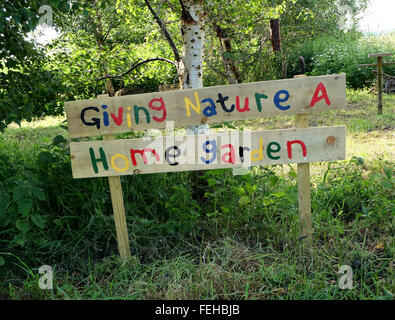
pixel 161 107
pixel 316 98
pixel 289 147
pixel 229 157
pixel 142 152
pixel 246 108
pixel 118 120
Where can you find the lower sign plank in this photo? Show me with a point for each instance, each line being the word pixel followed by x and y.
pixel 206 151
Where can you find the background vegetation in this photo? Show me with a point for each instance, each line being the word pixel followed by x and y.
pixel 225 237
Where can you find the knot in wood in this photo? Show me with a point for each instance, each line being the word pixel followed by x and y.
pixel 330 140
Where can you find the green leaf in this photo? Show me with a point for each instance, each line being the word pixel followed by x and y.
pixel 229 125
pixel 238 190
pixel 39 194
pixel 211 182
pixel 21 242
pixel 243 200
pixel 279 194
pixel 38 221
pixel 225 210
pixel 250 188
pixel 44 159
pixel 22 225
pixel 293 174
pixel 273 180
pixel 19 192
pixel 212 214
pixel 3 203
pixel 2 261
pixel 58 140
pixel 267 202
pixel 24 206
pixel 388 293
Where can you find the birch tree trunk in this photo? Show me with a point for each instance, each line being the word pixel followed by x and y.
pixel 193 33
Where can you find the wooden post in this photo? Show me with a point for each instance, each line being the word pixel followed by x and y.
pixel 379 65
pixel 275 34
pixel 119 212
pixel 303 169
pixel 379 85
pixel 304 192
pixel 118 209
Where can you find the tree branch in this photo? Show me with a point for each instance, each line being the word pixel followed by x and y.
pixel 135 65
pixel 165 32
pixel 109 30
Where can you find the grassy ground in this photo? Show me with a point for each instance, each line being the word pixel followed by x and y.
pixel 197 237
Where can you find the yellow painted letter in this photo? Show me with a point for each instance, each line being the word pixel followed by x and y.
pixel 116 168
pixel 188 103
pixel 259 152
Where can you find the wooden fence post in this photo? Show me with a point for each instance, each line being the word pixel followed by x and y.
pixel 304 192
pixel 379 85
pixel 118 208
pixel 379 65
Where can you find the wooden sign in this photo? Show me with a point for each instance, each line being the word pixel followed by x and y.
pixel 203 152
pixel 206 105
pixel 302 145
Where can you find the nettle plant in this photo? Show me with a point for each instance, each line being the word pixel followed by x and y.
pixel 23 195
pixel 19 208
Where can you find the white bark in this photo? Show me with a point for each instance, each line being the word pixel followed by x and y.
pixel 193 33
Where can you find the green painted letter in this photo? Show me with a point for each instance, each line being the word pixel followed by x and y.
pixel 258 97
pixel 269 150
pixel 95 160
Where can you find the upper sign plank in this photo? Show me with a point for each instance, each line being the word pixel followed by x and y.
pixel 205 105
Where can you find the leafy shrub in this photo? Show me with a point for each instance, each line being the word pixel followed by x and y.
pixel 328 55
